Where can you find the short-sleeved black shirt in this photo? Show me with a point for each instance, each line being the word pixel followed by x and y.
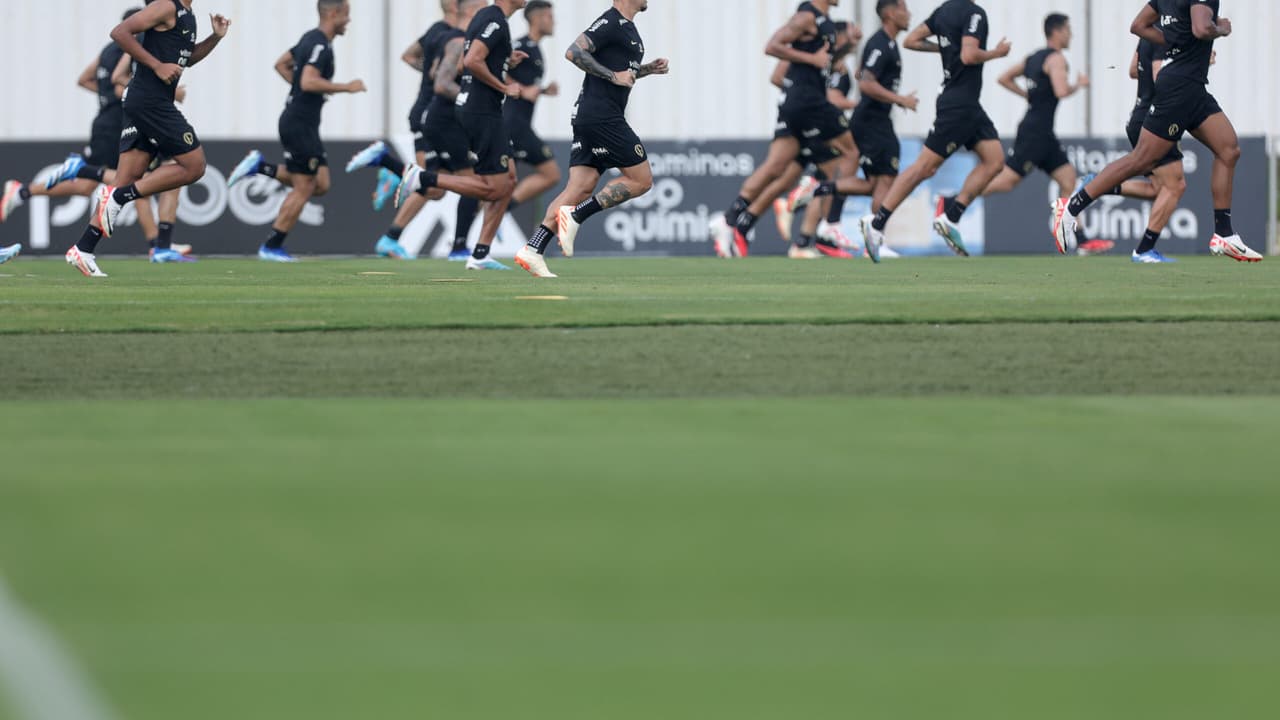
pixel 528 73
pixel 1186 56
pixel 882 59
pixel 952 22
pixel 431 43
pixel 490 28
pixel 313 49
pixel 619 48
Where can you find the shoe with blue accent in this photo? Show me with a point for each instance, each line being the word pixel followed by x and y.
pixel 410 181
pixel 462 255
pixel 9 253
pixel 1151 257
pixel 161 256
pixel 1085 180
pixel 485 264
pixel 279 255
pixel 389 248
pixel 250 165
pixel 368 157
pixel 68 171
pixel 951 234
pixel 387 184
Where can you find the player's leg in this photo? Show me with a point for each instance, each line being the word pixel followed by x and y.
pixel 1006 181
pixel 303 188
pixel 545 176
pixel 495 210
pixel 1219 136
pixel 583 180
pixel 133 163
pixel 634 181
pixel 1170 182
pixel 1146 155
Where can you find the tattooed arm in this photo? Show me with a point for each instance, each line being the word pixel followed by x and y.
pixel 661 66
pixel 579 54
pixel 446 77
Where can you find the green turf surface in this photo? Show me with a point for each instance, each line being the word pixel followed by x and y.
pixel 1002 488
pixel 243 295
pixel 956 558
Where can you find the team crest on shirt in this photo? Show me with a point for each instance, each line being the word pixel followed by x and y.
pixel 639 151
pixel 189 138
pixel 1173 129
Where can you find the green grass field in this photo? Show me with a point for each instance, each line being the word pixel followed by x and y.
pixel 999 488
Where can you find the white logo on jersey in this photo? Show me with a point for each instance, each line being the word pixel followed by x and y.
pixel 599 24
pixel 315 55
pixel 975 22
pixel 875 57
pixel 490 30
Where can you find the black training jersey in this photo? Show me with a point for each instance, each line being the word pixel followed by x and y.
pixel 108 59
pixel 528 73
pixel 490 28
pixel 806 85
pixel 314 49
pixel 1148 54
pixel 432 48
pixel 440 103
pixel 619 48
pixel 841 82
pixel 173 47
pixel 1186 56
pixel 881 59
pixel 1042 101
pixel 952 22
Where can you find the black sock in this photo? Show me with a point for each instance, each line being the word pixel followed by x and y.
pixel 825 189
pixel 165 240
pixel 429 180
pixel 468 208
pixel 955 210
pixel 127 194
pixel 392 163
pixel 481 252
pixel 24 192
pixel 269 169
pixel 276 240
pixel 738 207
pixel 89 240
pixel 806 241
pixel 586 209
pixel 542 237
pixel 1079 202
pixel 746 222
pixel 1222 223
pixel 882 218
pixel 395 232
pixel 1149 240
pixel 836 216
pixel 91 172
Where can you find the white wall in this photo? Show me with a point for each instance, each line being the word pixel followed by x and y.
pixel 718 88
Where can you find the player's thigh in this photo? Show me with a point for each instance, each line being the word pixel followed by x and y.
pixel 640 176
pixel 782 151
pixel 324 180
pixel 990 153
pixel 1219 135
pixel 133 165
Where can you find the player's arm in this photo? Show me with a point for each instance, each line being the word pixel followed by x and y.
pixel 780 45
pixel 415 58
pixel 89 78
pixel 152 16
pixel 971 52
pixel 1144 26
pixel 1203 26
pixel 870 87
pixel 840 100
pixel 919 41
pixel 1009 80
pixel 314 82
pixel 1056 67
pixel 661 66
pixel 284 67
pixel 446 77
pixel 1133 66
pixel 475 63
pixel 580 54
pixel 122 75
pixel 221 25
pixel 779 76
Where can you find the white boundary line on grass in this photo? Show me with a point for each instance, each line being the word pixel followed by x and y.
pixel 41 679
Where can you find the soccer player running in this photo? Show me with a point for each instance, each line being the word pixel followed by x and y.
pixel 961 29
pixel 80 175
pixel 440 145
pixel 879 78
pixel 611 53
pixel 152 123
pixel 488 55
pixel 805 116
pixel 1047 81
pixel 1182 104
pixel 518 111
pixel 308 67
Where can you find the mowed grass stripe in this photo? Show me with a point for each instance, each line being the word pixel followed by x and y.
pixel 244 296
pixel 715 361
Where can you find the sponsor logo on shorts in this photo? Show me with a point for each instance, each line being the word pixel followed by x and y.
pixel 600 151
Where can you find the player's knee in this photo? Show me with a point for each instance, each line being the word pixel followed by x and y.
pixel 1231 155
pixel 1178 185
pixel 321 188
pixel 640 186
pixel 196 171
